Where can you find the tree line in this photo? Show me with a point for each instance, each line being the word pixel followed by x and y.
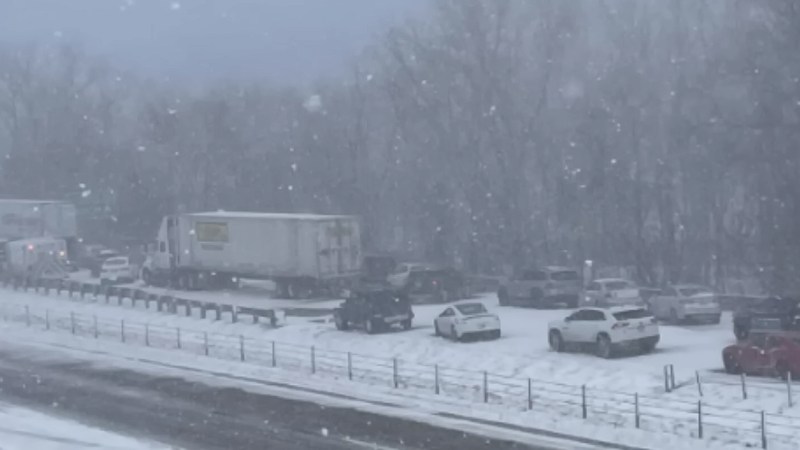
pixel 656 135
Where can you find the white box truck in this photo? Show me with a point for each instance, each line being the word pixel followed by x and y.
pixel 24 219
pixel 302 253
pixel 37 258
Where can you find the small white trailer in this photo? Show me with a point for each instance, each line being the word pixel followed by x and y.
pixel 302 253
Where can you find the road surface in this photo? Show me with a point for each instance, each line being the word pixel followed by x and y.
pixel 192 415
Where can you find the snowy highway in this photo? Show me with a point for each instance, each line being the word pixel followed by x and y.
pixel 187 414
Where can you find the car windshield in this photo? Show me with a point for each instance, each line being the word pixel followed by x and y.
pixel 564 275
pixel 632 314
pixel 618 285
pixel 694 290
pixel 469 309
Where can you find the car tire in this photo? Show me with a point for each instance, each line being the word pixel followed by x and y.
pixel 436 330
pixel 341 324
pixel 147 278
pixel 731 365
pixel 537 296
pixel 647 347
pixel 782 369
pixel 556 341
pixel 495 334
pixel 604 348
pixel 502 297
pixel 454 334
pixel 673 317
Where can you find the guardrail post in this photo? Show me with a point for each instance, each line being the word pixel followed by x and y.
pixel 71 321
pixel 744 385
pixel 274 357
pixel 241 347
pixel 436 379
pixel 700 419
pixel 205 343
pixel 789 388
pixel 485 387
pixel 394 372
pixel 349 366
pixel 636 408
pixel 699 384
pixel 147 335
pixel 27 315
pixel 583 401
pixel 530 395
pixel 94 325
pixel 178 336
pixel 313 361
pixel 763 430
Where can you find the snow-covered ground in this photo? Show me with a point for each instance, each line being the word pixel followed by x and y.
pixel 423 361
pixel 26 429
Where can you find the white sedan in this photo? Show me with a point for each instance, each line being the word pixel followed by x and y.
pixel 467 319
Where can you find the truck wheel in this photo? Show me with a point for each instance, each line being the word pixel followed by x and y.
pixel 371 326
pixel 502 297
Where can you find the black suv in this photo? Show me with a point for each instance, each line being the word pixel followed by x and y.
pixel 772 312
pixel 374 311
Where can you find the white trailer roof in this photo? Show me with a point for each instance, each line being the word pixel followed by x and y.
pixel 258 215
pixel 30 202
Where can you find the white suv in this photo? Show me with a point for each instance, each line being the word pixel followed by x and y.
pixel 606 330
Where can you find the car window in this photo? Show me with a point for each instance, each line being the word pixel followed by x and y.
pixel 564 275
pixel 694 290
pixel 534 275
pixel 772 342
pixel 448 312
pixel 594 316
pixel 113 262
pixel 594 286
pixel 579 315
pixel 632 314
pixel 618 285
pixel 469 309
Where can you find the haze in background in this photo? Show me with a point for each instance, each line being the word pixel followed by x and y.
pixel 198 41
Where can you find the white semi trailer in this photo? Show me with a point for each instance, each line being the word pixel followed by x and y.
pixel 302 253
pixel 25 219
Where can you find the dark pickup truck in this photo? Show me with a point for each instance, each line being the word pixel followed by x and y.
pixel 374 310
pixel 773 313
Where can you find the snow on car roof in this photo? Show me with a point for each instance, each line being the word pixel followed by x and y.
pixel 262 215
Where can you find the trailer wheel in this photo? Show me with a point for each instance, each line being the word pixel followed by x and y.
pixel 147 277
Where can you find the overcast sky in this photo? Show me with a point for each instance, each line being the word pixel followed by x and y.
pixel 202 40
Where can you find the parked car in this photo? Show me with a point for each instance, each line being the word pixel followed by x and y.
pixel 466 320
pixel 764 354
pixel 686 302
pixel 612 292
pixel 94 261
pixel 374 310
pixel 606 330
pixel 117 269
pixel 427 283
pixel 539 287
pixel 785 310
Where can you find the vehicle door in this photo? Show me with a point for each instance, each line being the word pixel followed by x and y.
pixel 571 329
pixel 594 322
pixel 594 292
pixel 446 320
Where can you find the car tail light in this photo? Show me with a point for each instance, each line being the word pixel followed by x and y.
pixel 619 325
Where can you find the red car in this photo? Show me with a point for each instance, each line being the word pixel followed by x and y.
pixel 765 354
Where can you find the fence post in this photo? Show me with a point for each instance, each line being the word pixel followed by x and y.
pixel 789 387
pixel 436 379
pixel 71 321
pixel 583 400
pixel 94 324
pixel 47 319
pixel 666 378
pixel 313 361
pixel 699 384
pixel 241 347
pixel 349 366
pixel 394 372
pixel 530 395
pixel 763 431
pixel 122 329
pixel 178 336
pixel 485 387
pixel 700 419
pixel 147 335
pixel 205 343
pixel 671 377
pixel 27 315
pixel 274 358
pixel 744 385
pixel 636 408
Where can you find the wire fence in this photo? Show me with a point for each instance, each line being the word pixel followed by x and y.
pixel 653 413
